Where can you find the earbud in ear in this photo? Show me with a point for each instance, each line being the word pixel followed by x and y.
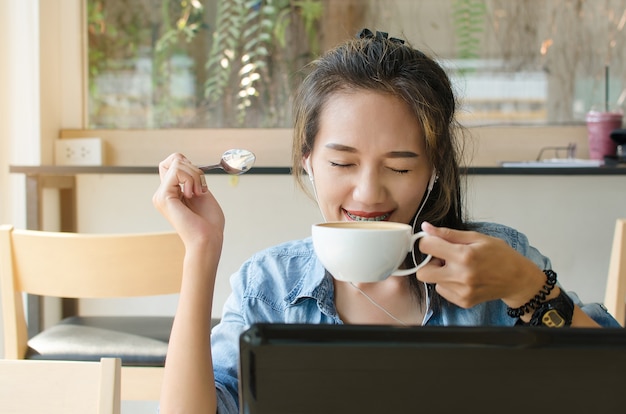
pixel 309 170
pixel 433 179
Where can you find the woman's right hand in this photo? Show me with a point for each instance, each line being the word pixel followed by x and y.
pixel 185 201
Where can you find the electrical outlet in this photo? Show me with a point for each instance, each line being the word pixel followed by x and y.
pixel 79 151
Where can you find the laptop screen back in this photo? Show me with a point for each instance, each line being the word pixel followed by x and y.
pixel 382 369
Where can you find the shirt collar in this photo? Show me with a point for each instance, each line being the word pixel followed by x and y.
pixel 315 283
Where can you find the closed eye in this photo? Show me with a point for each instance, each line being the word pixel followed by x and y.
pixel 400 171
pixel 395 170
pixel 336 164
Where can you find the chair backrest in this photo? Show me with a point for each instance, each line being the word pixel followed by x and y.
pixel 615 295
pixel 74 265
pixel 60 387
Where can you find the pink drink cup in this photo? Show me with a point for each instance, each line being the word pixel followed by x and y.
pixel 599 127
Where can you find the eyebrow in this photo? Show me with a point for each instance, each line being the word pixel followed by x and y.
pixel 391 154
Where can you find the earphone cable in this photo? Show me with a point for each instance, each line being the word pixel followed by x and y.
pixel 373 302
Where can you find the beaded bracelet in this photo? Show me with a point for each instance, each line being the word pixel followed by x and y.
pixel 537 299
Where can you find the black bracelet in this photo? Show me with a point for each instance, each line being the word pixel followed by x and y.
pixel 537 299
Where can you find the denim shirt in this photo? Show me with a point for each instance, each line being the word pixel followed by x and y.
pixel 288 284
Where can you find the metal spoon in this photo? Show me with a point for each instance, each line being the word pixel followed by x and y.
pixel 234 162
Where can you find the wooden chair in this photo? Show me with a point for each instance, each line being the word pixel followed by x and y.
pixel 72 265
pixel 615 295
pixel 60 387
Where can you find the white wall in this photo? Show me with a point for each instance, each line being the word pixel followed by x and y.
pixel 569 218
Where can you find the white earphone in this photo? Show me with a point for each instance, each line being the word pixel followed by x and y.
pixel 431 183
pixel 309 171
pixel 433 179
pixel 308 168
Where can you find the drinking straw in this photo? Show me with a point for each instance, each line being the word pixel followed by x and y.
pixel 606 88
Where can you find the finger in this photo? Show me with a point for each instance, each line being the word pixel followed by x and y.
pixel 432 272
pixel 203 185
pixel 451 292
pixel 449 235
pixel 438 247
pixel 166 164
pixel 199 181
pixel 191 180
pixel 447 285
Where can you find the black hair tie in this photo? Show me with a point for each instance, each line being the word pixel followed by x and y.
pixel 367 34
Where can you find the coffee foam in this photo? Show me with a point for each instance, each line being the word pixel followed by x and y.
pixel 367 225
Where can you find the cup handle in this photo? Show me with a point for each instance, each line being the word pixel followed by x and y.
pixel 405 272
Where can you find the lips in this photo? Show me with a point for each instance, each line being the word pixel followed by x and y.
pixel 362 216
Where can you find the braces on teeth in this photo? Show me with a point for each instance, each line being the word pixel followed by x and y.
pixel 357 218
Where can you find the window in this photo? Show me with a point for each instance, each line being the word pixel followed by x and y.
pixel 192 63
pixel 236 63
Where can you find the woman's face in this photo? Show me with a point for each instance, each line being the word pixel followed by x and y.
pixel 369 160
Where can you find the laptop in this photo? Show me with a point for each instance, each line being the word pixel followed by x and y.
pixel 306 369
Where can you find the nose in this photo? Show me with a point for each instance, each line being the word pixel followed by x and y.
pixel 370 188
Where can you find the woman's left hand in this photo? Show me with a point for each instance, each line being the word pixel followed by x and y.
pixel 469 268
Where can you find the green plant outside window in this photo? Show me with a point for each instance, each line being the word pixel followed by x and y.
pixel 237 63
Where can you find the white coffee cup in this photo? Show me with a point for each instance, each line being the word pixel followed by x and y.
pixel 365 251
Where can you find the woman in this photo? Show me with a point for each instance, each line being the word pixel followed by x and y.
pixel 375 132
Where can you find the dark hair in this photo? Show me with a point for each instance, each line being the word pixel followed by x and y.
pixel 375 63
